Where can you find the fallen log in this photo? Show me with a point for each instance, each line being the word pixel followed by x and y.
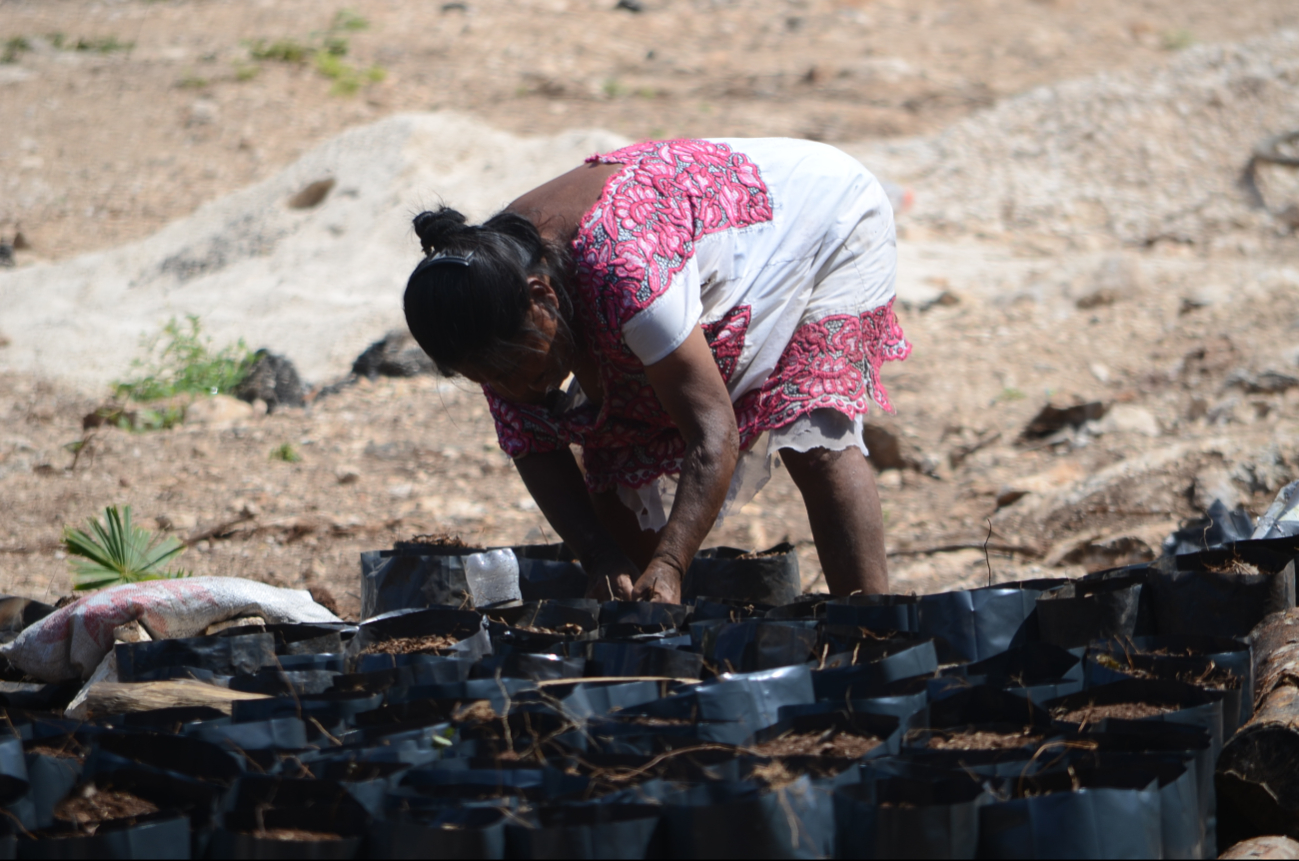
pixel 1271 847
pixel 108 698
pixel 1258 772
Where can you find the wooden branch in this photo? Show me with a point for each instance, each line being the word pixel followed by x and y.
pixel 107 698
pixel 550 683
pixel 1257 793
pixel 217 530
pixel 992 546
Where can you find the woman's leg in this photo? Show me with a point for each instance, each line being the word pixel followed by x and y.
pixel 843 506
pixel 639 544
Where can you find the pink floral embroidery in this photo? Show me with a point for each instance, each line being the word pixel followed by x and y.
pixel 638 236
pixel 644 228
pixel 832 363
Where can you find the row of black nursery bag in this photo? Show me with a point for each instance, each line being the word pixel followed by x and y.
pixel 1048 718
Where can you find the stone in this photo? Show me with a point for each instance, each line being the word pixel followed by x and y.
pixel 347 475
pixel 396 354
pixel 1127 418
pixel 218 411
pixel 272 379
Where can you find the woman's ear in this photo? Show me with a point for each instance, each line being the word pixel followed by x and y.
pixel 542 292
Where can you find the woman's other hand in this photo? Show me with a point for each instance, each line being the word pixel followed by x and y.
pixel 660 583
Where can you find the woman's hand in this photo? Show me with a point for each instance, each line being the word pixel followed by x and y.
pixel 611 579
pixel 661 582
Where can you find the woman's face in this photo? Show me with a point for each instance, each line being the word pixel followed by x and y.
pixel 538 364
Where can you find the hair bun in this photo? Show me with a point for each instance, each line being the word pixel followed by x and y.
pixel 435 229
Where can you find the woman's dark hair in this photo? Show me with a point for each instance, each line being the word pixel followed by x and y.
pixel 468 300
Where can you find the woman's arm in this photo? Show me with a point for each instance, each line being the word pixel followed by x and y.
pixel 692 390
pixel 557 486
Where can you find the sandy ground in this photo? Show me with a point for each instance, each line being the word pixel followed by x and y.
pixel 98 149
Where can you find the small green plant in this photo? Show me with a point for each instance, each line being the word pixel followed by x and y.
pixel 104 45
pixel 56 40
pixel 286 452
pixel 116 551
pixel 613 88
pixel 281 50
pixel 1010 393
pixel 347 78
pixel 182 361
pixel 192 82
pixel 347 20
pixel 1176 40
pixel 247 71
pixel 14 47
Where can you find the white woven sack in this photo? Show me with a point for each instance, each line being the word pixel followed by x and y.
pixel 70 642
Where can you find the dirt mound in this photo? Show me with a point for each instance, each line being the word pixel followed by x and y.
pixel 315 282
pixel 1140 157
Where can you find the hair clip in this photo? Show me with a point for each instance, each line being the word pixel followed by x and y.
pixel 444 257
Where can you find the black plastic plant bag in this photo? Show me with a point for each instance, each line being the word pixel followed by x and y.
pixel 984 704
pixel 468 628
pixel 309 639
pixel 625 618
pixel 809 605
pixel 976 624
pixel 220 655
pixel 526 665
pixel 1207 593
pixel 585 700
pixel 282 733
pixel 449 779
pixel 1219 527
pixel 239 838
pixel 413 578
pixel 1083 813
pixel 878 664
pixel 1183 826
pixel 1190 705
pixel 753 645
pixel 1208 662
pixel 906 699
pixel 589 831
pixel 418 576
pixel 1076 613
pixel 274 682
pixel 726 609
pixel 918 817
pixel 879 613
pixel 157 835
pixel 744 820
pixel 770 578
pixel 51 779
pixel 474 832
pixel 185 755
pixel 635 659
pixel 37 697
pixel 754 700
pixel 1036 672
pixel 328 708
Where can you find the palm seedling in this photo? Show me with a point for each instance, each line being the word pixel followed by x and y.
pixel 116 551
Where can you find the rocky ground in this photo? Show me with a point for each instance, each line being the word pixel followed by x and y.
pixel 1186 342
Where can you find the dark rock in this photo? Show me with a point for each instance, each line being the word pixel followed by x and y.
pixel 6 254
pixel 274 380
pixel 630 5
pixel 1053 418
pixel 395 355
pixel 312 195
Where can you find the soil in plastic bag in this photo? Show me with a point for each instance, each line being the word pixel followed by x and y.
pixel 1224 592
pixel 589 831
pixel 473 832
pixel 744 820
pixel 1076 613
pixel 224 656
pixel 765 577
pixel 1117 816
pixel 978 623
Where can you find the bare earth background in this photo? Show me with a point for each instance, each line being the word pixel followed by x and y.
pixel 1165 300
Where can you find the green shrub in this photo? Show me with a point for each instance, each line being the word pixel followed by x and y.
pixel 346 19
pixel 13 48
pixel 282 50
pixel 181 361
pixel 116 551
pixel 286 452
